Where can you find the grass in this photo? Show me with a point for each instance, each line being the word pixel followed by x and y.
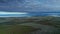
pixel 16 29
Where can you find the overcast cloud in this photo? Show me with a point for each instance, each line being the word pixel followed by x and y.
pixel 30 5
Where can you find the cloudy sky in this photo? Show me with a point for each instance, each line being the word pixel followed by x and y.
pixel 13 14
pixel 30 5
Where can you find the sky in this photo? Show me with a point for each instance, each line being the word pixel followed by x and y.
pixel 13 14
pixel 28 6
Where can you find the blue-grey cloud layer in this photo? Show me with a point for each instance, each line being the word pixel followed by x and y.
pixel 30 5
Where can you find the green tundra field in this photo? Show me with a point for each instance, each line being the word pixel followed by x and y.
pixel 30 25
